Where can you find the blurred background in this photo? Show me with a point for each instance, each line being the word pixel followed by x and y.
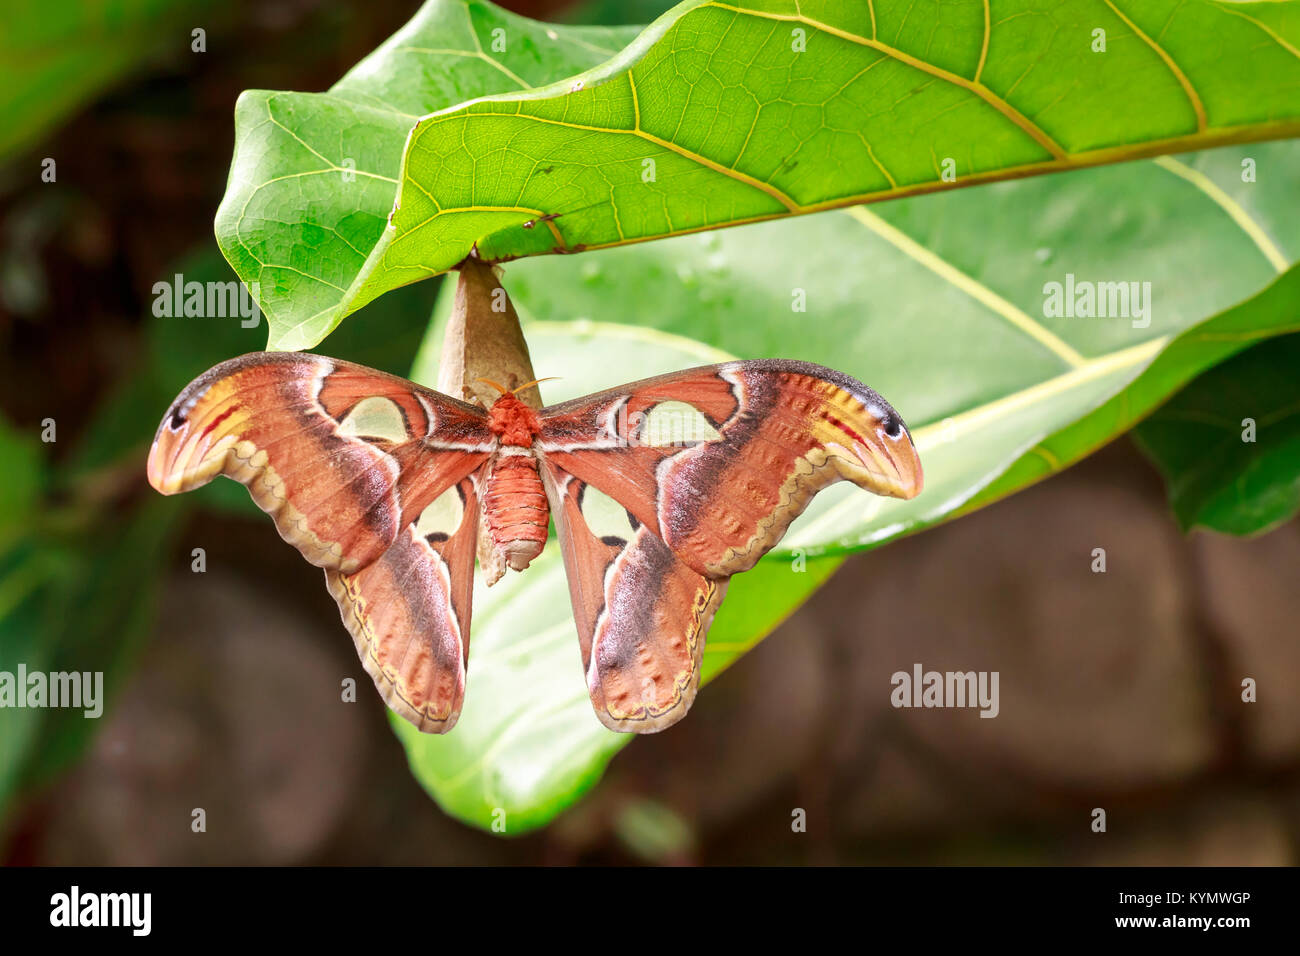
pixel 1119 691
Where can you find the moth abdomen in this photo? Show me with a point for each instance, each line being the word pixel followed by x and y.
pixel 515 510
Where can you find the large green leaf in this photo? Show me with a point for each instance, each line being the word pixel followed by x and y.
pixel 717 114
pixel 528 744
pixel 1258 213
pixel 1229 444
pixel 315 175
pixel 916 301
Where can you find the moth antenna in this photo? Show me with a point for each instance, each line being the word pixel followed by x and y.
pixel 537 381
pixel 488 381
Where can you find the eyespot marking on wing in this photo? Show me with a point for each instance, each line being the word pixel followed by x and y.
pixel 375 417
pixel 442 516
pixel 676 423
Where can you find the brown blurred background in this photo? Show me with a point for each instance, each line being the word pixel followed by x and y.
pixel 1118 690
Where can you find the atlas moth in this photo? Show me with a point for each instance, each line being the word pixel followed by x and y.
pixel 660 491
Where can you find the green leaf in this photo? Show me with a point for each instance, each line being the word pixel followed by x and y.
pixel 97 617
pixel 720 114
pixel 24 572
pixel 22 471
pixel 916 301
pixel 80 601
pixel 315 175
pixel 528 744
pixel 1228 444
pixel 1274 311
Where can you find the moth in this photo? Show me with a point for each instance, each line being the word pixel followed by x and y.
pixel 660 490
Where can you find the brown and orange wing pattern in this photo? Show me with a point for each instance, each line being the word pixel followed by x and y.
pixel 373 479
pixel 641 613
pixel 664 488
pixel 340 455
pixel 409 611
pixel 718 461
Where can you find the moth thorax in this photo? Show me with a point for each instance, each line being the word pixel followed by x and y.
pixel 515 511
pixel 513 422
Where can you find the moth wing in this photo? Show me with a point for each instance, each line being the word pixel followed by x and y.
pixel 642 614
pixel 664 488
pixel 341 456
pixel 409 611
pixel 370 477
pixel 718 461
